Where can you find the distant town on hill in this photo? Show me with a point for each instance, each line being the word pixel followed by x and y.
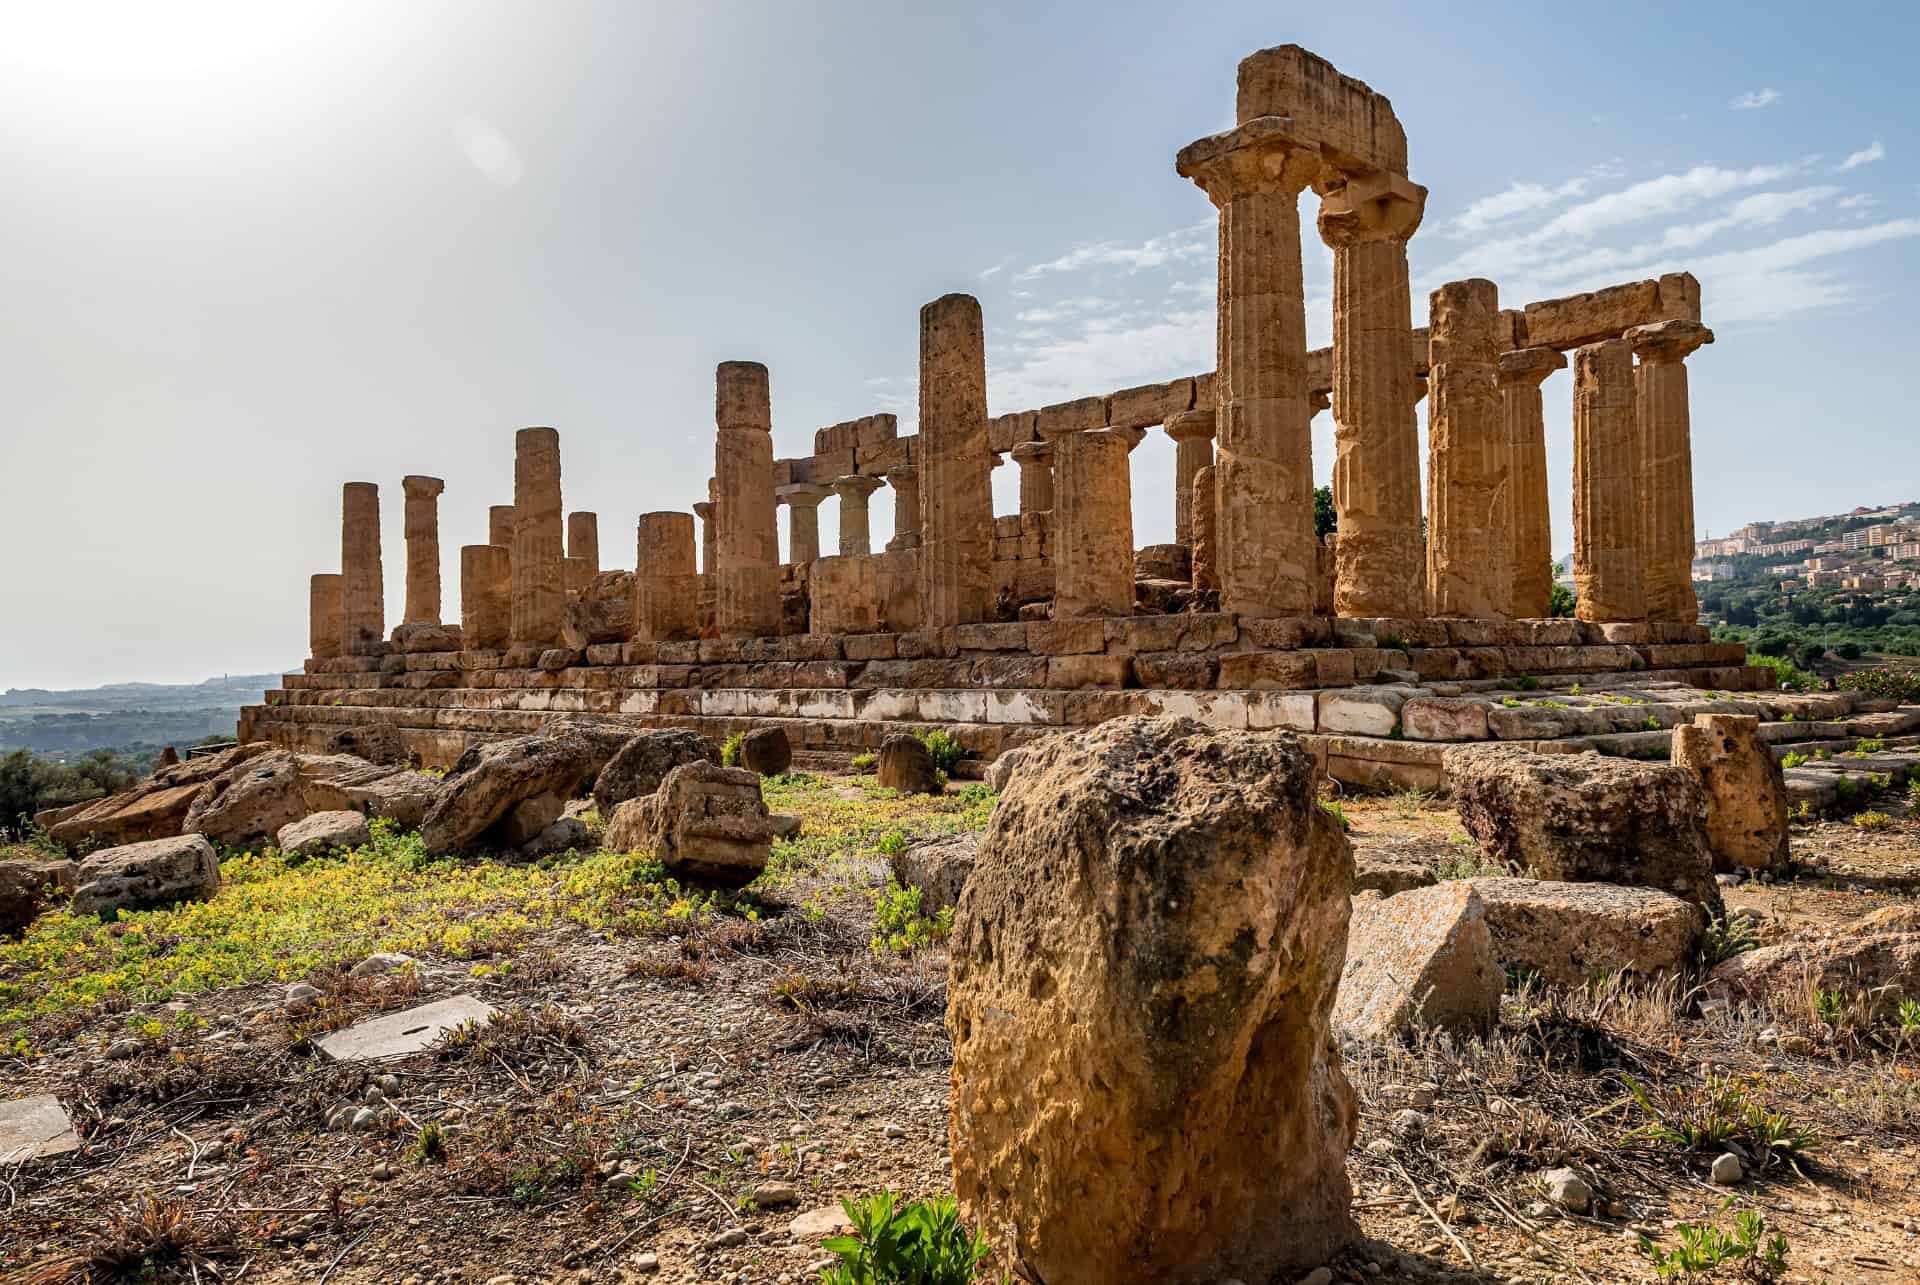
pixel 130 717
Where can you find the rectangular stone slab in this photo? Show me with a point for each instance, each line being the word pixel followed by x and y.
pixel 34 1128
pixel 398 1034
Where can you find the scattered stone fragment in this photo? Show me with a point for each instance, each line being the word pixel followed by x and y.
pixel 906 765
pixel 643 763
pixel 154 809
pixel 23 890
pixel 818 1224
pixel 143 876
pixel 785 825
pixel 1745 788
pixel 939 868
pixel 323 832
pixel 566 834
pixel 1423 957
pixel 34 1128
pixel 411 1031
pixel 300 997
pixel 773 1195
pixel 381 964
pixel 1881 968
pixel 493 778
pixel 1568 1190
pixel 1566 932
pixel 1727 1169
pixel 704 822
pixel 766 750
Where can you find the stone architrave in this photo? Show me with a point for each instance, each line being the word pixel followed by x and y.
pixel 324 625
pixel 704 511
pixel 422 527
pixel 666 588
pixel 1530 532
pixel 803 519
pixel 906 508
pixel 1367 220
pixel 1035 461
pixel 1254 175
pixel 1469 570
pixel 539 573
pixel 956 473
pixel 486 596
pixel 1606 468
pixel 1665 486
pixel 1093 525
pixel 362 591
pixel 1192 433
pixel 746 571
pixel 854 490
pixel 583 541
pixel 1205 539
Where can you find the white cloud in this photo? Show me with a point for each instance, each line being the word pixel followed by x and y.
pixel 1187 243
pixel 1756 98
pixel 1668 194
pixel 1858 201
pixel 1104 353
pixel 1867 155
pixel 1520 198
pixel 489 151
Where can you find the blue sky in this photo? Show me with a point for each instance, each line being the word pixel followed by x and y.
pixel 250 252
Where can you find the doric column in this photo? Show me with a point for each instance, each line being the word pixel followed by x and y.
pixel 1468 568
pixel 539 552
pixel 1254 175
pixel 1530 525
pixel 1093 525
pixel 905 482
pixel 1665 491
pixel 363 611
pixel 421 519
pixel 1204 537
pixel 1192 433
pixel 803 519
pixel 324 627
pixel 854 490
pixel 583 540
pixel 486 596
pixel 1606 526
pixel 746 572
pixel 1035 460
pixel 666 588
pixel 956 483
pixel 500 526
pixel 1378 560
pixel 704 511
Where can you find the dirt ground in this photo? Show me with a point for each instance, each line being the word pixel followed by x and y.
pixel 661 1105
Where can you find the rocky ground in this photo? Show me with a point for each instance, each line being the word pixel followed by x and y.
pixel 678 1079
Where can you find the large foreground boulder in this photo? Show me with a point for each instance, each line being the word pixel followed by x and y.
pixel 1568 932
pixel 154 809
pixel 705 822
pixel 644 762
pixel 399 794
pixel 23 890
pixel 1419 958
pixel 252 802
pixel 1745 787
pixel 1585 818
pixel 1880 968
pixel 492 779
pixel 1145 1087
pixel 144 876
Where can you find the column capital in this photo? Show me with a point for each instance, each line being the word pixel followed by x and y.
pixel 1191 425
pixel 800 495
pixel 855 485
pixel 1529 365
pixel 417 487
pixel 704 510
pixel 1263 155
pixel 1369 207
pixel 1664 341
pixel 904 475
pixel 1032 454
pixel 1318 399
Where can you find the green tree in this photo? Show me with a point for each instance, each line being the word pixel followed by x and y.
pixel 1325 520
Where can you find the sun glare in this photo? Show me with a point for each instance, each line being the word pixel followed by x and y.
pixel 132 47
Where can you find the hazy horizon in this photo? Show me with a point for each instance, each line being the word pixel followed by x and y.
pixel 253 252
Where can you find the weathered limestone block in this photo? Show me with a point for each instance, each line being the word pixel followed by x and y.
pixel 494 777
pixel 1143 964
pixel 1444 718
pixel 486 596
pixel 1206 538
pixel 956 488
pixel 24 886
pixel 1530 532
pixel 938 867
pixel 766 751
pixel 1093 525
pixel 539 584
pixel 845 594
pixel 324 620
pixel 500 525
pixel 1880 968
pixel 144 876
pixel 1419 958
pixel 375 790
pixel 1469 568
pixel 1745 788
pixel 640 765
pixel 1605 314
pixel 1362 711
pixel 746 567
pixel 705 822
pixel 601 612
pixel 1606 472
pixel 1585 818
pixel 666 589
pixel 362 598
pixel 249 804
pixel 1567 932
pixel 422 529
pixel 906 765
pixel 1340 114
pixel 1664 448
pixel 321 833
pixel 154 809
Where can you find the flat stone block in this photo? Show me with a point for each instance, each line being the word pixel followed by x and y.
pixel 1025 707
pixel 1227 710
pixel 399 1034
pixel 1284 633
pixel 34 1129
pixel 1436 718
pixel 1068 673
pixel 869 646
pixel 1361 711
pixel 1293 710
pixel 1010 636
pixel 1266 670
pixel 1066 637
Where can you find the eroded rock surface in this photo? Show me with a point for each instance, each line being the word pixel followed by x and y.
pixel 939 868
pixel 322 833
pixel 154 809
pixel 1745 787
pixel 490 780
pixel 1882 968
pixel 644 762
pixel 142 876
pixel 1420 958
pixel 1567 932
pixel 766 750
pixel 705 822
pixel 906 766
pixel 1143 972
pixel 23 890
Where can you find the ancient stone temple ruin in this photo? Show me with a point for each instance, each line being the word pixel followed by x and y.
pixel 1379 645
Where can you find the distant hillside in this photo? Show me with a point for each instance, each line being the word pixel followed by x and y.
pixel 126 715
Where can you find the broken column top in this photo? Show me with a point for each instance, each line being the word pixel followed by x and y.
pixel 1191 424
pixel 801 493
pixel 1667 340
pixel 1530 364
pixel 741 396
pixel 1354 127
pixel 422 488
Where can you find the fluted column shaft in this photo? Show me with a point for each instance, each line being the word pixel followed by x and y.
pixel 1379 558
pixel 1469 564
pixel 1665 489
pixel 583 540
pixel 803 519
pixel 1205 537
pixel 1035 462
pixel 666 588
pixel 1192 433
pixel 324 626
pixel 486 596
pixel 1530 529
pixel 539 539
pixel 1093 525
pixel 746 567
pixel 906 508
pixel 956 468
pixel 363 612
pixel 1264 462
pixel 421 519
pixel 1606 527
pixel 856 536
